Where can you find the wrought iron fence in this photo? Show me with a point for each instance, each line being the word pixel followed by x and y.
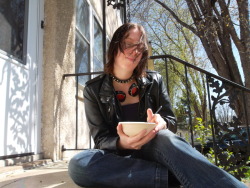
pixel 227 135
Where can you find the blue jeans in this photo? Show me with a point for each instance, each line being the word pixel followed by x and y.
pixel 149 167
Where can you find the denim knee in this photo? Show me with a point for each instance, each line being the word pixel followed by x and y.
pixel 165 139
pixel 73 170
pixel 79 167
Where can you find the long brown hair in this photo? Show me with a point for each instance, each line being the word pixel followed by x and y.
pixel 117 43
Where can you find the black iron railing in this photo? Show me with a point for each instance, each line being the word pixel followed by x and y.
pixel 229 139
pixel 77 101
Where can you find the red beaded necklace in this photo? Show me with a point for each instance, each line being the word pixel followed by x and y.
pixel 132 91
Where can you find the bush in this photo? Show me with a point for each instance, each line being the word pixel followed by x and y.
pixel 225 158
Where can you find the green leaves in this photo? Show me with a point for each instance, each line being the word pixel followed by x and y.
pixel 202 132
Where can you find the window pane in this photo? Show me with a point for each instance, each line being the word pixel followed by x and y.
pixel 98 65
pixel 12 27
pixel 98 47
pixel 82 58
pixel 82 18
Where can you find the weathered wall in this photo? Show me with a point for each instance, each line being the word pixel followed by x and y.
pixel 58 110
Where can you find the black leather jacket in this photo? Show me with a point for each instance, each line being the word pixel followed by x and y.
pixel 103 110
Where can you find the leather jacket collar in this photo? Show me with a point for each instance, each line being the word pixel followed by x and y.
pixel 107 89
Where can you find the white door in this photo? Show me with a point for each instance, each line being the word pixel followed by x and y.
pixel 21 39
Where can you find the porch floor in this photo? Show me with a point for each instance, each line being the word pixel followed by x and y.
pixel 30 175
pixel 43 173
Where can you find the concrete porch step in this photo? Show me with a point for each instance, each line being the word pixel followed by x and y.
pixel 21 167
pixel 36 174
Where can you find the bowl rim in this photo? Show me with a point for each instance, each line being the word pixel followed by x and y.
pixel 136 122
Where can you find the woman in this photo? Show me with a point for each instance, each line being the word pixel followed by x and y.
pixel 126 92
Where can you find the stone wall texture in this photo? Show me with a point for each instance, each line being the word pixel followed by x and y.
pixel 59 96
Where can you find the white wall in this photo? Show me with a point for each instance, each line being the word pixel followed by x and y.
pixel 20 96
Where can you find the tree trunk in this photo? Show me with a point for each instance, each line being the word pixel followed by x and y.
pixel 215 28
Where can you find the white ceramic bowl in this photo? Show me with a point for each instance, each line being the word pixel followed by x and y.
pixel 133 128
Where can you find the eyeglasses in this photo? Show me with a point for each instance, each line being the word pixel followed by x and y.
pixel 140 47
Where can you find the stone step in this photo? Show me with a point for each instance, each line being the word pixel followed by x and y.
pixel 21 167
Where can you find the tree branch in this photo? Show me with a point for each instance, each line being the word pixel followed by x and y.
pixel 176 17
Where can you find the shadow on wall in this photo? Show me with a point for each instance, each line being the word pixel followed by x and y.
pixel 17 121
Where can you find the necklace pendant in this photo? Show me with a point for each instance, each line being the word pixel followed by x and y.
pixel 121 96
pixel 133 90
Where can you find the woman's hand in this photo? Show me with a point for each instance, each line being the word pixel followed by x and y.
pixel 137 141
pixel 157 119
pixel 134 142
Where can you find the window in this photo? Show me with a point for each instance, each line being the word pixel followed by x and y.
pixel 12 19
pixel 98 48
pixel 82 40
pixel 89 41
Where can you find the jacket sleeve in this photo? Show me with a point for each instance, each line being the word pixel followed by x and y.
pixel 99 129
pixel 166 111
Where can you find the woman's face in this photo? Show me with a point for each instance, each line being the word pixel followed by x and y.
pixel 132 52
